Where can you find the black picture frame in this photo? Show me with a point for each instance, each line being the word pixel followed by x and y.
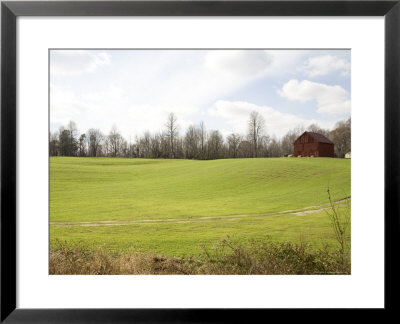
pixel 11 10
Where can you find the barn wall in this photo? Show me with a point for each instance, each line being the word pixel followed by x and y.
pixel 306 146
pixel 306 149
pixel 325 149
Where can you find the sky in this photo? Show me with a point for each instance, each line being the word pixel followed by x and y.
pixel 135 90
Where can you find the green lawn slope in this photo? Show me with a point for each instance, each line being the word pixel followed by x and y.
pixel 165 203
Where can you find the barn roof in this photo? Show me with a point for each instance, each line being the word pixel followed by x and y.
pixel 318 137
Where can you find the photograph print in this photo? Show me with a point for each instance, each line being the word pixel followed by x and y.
pixel 199 162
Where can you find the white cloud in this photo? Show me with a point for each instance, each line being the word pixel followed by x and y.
pixel 76 62
pixel 153 117
pixel 236 114
pixel 193 78
pixel 64 105
pixel 325 64
pixel 111 106
pixel 242 63
pixel 141 88
pixel 332 100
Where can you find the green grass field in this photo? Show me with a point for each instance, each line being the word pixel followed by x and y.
pixel 173 207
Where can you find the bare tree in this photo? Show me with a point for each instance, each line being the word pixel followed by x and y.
pixel 191 142
pixel 341 137
pixel 145 145
pixel 82 145
pixel 73 138
pixel 263 145
pixel 274 148
pixel 256 128
pixel 316 129
pixel 234 140
pixel 94 138
pixel 171 132
pixel 164 146
pixel 155 144
pixel 203 140
pixel 64 140
pixel 215 145
pixel 124 148
pixel 196 144
pixel 53 144
pixel 179 148
pixel 245 149
pixel 289 138
pixel 67 140
pixel 115 140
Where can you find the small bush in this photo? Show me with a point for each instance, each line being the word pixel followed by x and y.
pixel 80 260
pixel 270 258
pixel 227 257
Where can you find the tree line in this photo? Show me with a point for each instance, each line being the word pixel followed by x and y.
pixel 195 143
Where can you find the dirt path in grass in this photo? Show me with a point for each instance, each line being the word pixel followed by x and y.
pixel 298 212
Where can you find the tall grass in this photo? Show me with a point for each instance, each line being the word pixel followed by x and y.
pixel 258 257
pixel 68 260
pixel 226 257
pixel 340 222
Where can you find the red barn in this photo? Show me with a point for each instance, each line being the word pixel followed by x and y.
pixel 313 144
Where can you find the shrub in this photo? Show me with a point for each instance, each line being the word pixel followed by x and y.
pixel 227 257
pixel 256 257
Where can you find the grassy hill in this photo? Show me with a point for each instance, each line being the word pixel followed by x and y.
pixel 174 206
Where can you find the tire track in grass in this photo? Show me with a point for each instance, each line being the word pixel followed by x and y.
pixel 298 212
